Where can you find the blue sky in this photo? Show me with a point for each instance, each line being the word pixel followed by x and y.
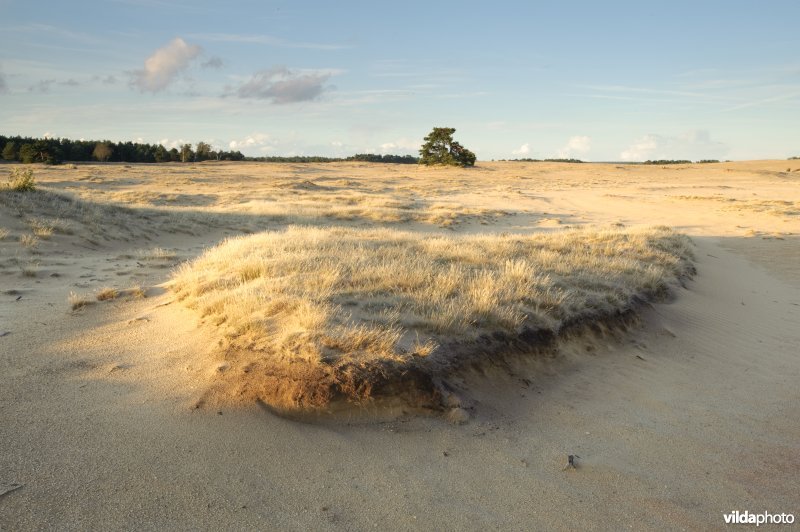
pixel 593 80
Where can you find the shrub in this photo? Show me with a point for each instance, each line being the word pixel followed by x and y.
pixel 22 180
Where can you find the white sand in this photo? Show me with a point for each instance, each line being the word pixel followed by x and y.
pixel 690 416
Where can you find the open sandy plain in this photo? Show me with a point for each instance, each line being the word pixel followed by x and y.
pixel 687 413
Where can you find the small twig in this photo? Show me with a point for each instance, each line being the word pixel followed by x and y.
pixel 571 462
pixel 5 489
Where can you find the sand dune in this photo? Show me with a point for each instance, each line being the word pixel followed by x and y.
pixel 686 413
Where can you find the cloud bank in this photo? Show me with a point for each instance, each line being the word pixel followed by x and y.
pixel 257 141
pixel 575 147
pixel 692 145
pixel 163 67
pixel 525 149
pixel 284 86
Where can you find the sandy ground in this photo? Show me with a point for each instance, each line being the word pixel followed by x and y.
pixel 687 416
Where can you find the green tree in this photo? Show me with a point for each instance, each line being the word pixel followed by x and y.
pixel 102 152
pixel 440 148
pixel 46 151
pixel 161 154
pixel 26 153
pixel 10 151
pixel 203 152
pixel 186 153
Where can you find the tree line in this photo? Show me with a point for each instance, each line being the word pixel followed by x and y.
pixel 55 150
pixel 529 160
pixel 363 157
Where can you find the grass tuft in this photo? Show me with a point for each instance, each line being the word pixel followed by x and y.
pixel 78 302
pixel 347 304
pixel 45 227
pixel 31 269
pixel 134 292
pixel 107 293
pixel 29 241
pixel 156 253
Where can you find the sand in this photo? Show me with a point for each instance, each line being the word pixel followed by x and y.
pixel 690 414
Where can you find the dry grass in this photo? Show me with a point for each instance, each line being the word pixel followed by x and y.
pixel 344 312
pixel 134 292
pixel 29 241
pixel 4 233
pixel 774 207
pixel 322 208
pixel 49 212
pixel 78 301
pixel 107 294
pixel 45 227
pixel 30 269
pixel 155 254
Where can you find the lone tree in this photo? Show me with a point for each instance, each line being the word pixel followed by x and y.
pixel 440 148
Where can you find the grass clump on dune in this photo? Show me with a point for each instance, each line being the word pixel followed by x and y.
pixel 326 313
pixel 22 180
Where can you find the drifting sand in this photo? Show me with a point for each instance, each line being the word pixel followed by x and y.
pixel 689 415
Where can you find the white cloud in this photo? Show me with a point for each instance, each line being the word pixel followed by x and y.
pixel 399 147
pixel 3 84
pixel 174 143
pixel 692 145
pixel 257 141
pixel 576 146
pixel 641 149
pixel 283 86
pixel 161 68
pixel 525 149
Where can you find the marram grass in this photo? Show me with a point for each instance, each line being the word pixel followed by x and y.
pixel 350 310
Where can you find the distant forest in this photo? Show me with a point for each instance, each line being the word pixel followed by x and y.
pixel 54 151
pixel 529 160
pixel 365 157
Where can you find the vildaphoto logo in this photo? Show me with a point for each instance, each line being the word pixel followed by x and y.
pixel 764 518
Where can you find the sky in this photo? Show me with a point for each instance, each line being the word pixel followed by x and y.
pixel 598 81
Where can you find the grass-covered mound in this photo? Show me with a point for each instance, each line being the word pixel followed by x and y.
pixel 309 315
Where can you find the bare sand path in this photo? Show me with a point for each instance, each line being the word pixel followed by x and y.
pixel 690 416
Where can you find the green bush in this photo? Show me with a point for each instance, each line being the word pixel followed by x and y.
pixel 22 180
